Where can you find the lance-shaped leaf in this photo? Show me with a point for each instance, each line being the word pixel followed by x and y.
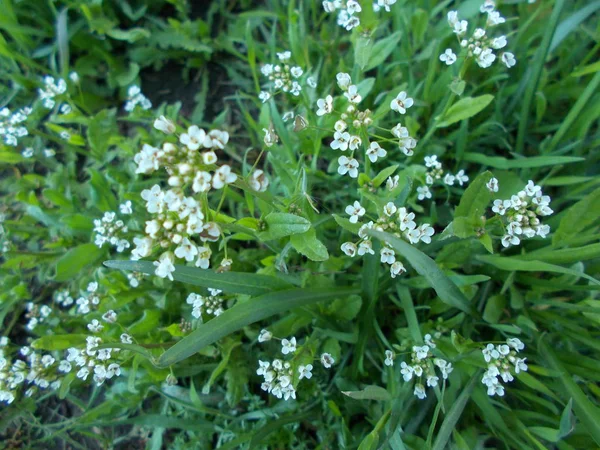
pixel 244 314
pixel 231 282
pixel 446 290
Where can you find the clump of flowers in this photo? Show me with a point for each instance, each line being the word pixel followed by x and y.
pixel 480 46
pixel 283 77
pixel 36 314
pixel 63 298
pixel 422 367
pixel 347 11
pixel 111 230
pixel 135 98
pixel 399 222
pixel 502 361
pixel 11 125
pixel 522 213
pixel 52 88
pixel 100 363
pixel 211 305
pixel 435 174
pixel 89 300
pixel 281 378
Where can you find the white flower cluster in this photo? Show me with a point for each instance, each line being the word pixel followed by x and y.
pixel 38 370
pixel 436 173
pixel 52 89
pixel 176 220
pixel 479 46
pixel 283 77
pixel 11 125
pixel 92 360
pixel 346 16
pixel 63 298
pixel 522 212
pixel 135 98
pixel 211 305
pixel 36 314
pixel 501 360
pixel 110 230
pixel 89 300
pixel 422 366
pixel 397 221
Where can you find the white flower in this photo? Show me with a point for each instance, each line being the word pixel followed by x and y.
pixel 263 96
pixel 478 33
pixel 421 352
pixel 389 358
pixel 164 266
pixel 452 18
pixel 492 186
pixel 288 346
pixel 348 166
pixel 498 43
pixel 423 192
pixel 365 247
pixel 449 179
pixel 520 365
pixel 352 94
pixel 460 27
pixel 444 366
pixel 432 381
pixel 125 208
pixel 487 7
pixel 203 260
pixel 431 161
pixel 490 352
pixel 486 58
pixel 461 178
pixel 296 71
pixel 311 82
pixel 392 182
pixel 354 142
pixel 449 57
pixel 341 141
pixel 327 360
pixel 194 137
pixel 109 316
pixel 387 255
pixel 355 211
pixel 349 248
pixel 258 181
pixel 264 336
pixel 186 250
pixel 270 137
pixel 325 105
pixel 406 371
pixel 385 4
pixel 510 239
pixel 494 18
pixel 154 199
pixel 284 56
pixel 406 219
pixel 508 59
pixel 83 373
pixel 223 175
pixel 401 103
pixel 165 125
pixel 397 268
pixel 343 80
pixel 353 6
pixel 94 326
pixel 305 372
pixel 126 339
pixel 390 209
pixel 64 366
pixel 375 151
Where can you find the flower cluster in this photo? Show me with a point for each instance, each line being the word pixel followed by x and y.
pixel 92 360
pixel 501 359
pixel 11 125
pixel 52 89
pixel 522 213
pixel 422 367
pixel 38 370
pixel 36 314
pixel 435 173
pixel 354 123
pixel 283 77
pixel 211 305
pixel 396 221
pixel 63 298
pixel 135 98
pixel 348 10
pixel 480 45
pixel 110 230
pixel 88 301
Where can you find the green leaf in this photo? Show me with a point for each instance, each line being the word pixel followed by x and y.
pixel 476 197
pixel 579 216
pixel 370 393
pixel 346 224
pixel 383 175
pixel 100 129
pixel 59 341
pixel 447 291
pixel 567 424
pixel 308 245
pixel 283 224
pixel 244 314
pixel 586 411
pixel 76 259
pixel 498 162
pixel 382 49
pixel 132 35
pixel 233 282
pixel 512 264
pixel 362 50
pixel 454 414
pixel 464 108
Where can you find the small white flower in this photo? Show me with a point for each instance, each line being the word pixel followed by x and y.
pixel 348 166
pixel 420 391
pixel 355 212
pixel 365 247
pixel 449 57
pixel 311 82
pixel 461 178
pixel 486 58
pixel 493 186
pixel 397 268
pixel 164 266
pixel 387 255
pixel 432 381
pixel 223 175
pixel 389 358
pixel 109 316
pixel 305 371
pixel 406 371
pixel 421 352
pixel 287 116
pixel 327 360
pixel 460 27
pixel 341 141
pixel 508 59
pixel 288 346
pixel 452 18
pixel 126 339
pixel 375 151
pixel 165 125
pixel 352 94
pixel 494 18
pixel 94 326
pixel 390 209
pixel 349 248
pixel 194 137
pixel 490 352
pixel 401 103
pixel 284 56
pixel 264 336
pixel 406 219
pixel 423 192
pixel 343 80
pixel 392 182
pixel 520 365
pixel 125 208
pixel 263 96
pixel 270 137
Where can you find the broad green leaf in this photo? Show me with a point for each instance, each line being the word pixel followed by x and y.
pixel 582 214
pixel 453 416
pixel 493 308
pixel 566 420
pixel 370 393
pixel 513 264
pixel 362 50
pixel 476 197
pixel 244 314
pixel 587 413
pixel 100 130
pixel 131 35
pixel 72 262
pixel 59 341
pixel 308 245
pixel 446 290
pixel 346 224
pixel 499 162
pixel 464 108
pixel 382 49
pixel 382 176
pixel 283 224
pixel 233 282
pixel 153 421
pixel 563 255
